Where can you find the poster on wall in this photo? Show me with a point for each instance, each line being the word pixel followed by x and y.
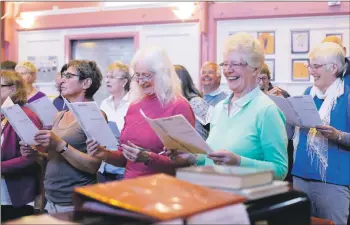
pixel 300 71
pixel 271 65
pixel 46 66
pixel 338 35
pixel 267 39
pixel 300 41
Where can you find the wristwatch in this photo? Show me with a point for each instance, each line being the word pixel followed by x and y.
pixel 339 136
pixel 65 148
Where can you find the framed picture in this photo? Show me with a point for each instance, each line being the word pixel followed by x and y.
pixel 300 70
pixel 253 33
pixel 338 35
pixel 300 41
pixel 271 65
pixel 267 39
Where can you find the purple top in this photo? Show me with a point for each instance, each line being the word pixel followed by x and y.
pixel 21 173
pixel 36 96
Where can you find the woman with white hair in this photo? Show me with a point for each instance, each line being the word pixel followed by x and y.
pixel 323 153
pixel 247 128
pixel 158 94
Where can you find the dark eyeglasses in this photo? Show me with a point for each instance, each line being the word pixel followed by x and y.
pixel 68 75
pixel 258 79
pixel 6 85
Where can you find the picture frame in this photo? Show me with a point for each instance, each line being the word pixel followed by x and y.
pixel 338 35
pixel 300 71
pixel 300 42
pixel 267 40
pixel 271 65
pixel 253 33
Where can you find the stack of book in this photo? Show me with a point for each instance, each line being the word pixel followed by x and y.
pixel 251 183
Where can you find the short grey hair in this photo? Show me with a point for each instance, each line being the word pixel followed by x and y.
pixel 88 69
pixel 217 67
pixel 249 47
pixel 329 53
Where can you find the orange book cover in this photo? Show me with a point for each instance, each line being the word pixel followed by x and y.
pixel 159 196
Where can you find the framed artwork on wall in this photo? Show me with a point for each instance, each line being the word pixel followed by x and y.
pixel 271 65
pixel 300 71
pixel 338 35
pixel 267 39
pixel 300 41
pixel 253 33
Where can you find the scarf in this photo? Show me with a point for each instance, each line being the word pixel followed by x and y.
pixel 317 144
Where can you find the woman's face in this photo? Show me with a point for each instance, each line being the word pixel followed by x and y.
pixel 323 73
pixel 238 74
pixel 144 77
pixel 6 90
pixel 27 76
pixel 114 81
pixel 71 86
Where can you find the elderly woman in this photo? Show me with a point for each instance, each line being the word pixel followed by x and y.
pixel 28 72
pixel 115 106
pixel 158 94
pixel 247 128
pixel 19 174
pixel 69 165
pixel 323 154
pixel 194 97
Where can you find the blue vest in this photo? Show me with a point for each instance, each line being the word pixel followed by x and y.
pixel 338 170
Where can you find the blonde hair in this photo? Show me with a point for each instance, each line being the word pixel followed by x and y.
pixel 167 85
pixel 213 64
pixel 329 53
pixel 265 69
pixel 124 68
pixel 249 47
pixel 13 78
pixel 28 65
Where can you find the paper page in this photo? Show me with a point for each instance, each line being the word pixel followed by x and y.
pixel 232 214
pixel 93 123
pixel 21 123
pixel 202 112
pixel 287 110
pixel 306 110
pixel 114 128
pixel 44 109
pixel 180 131
pixel 8 102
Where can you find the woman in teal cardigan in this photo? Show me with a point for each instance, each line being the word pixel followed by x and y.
pixel 247 128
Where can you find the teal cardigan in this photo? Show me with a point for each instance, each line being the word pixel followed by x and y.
pixel 256 132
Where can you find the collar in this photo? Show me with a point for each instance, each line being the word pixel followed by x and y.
pixel 241 102
pixel 215 93
pixel 124 99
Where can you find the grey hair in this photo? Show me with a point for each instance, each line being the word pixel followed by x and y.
pixel 88 69
pixel 329 53
pixel 249 47
pixel 167 85
pixel 209 63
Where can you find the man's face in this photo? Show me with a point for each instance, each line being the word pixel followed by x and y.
pixel 210 77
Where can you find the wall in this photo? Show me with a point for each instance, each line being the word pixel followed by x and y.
pixel 51 42
pixel 318 27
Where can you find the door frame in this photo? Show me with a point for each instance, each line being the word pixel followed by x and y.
pixel 99 36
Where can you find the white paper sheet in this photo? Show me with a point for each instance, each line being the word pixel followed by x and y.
pixel 21 123
pixel 8 102
pixel 93 123
pixel 44 109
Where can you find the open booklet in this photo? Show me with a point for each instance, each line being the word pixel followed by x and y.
pixel 203 112
pixel 44 109
pixel 20 122
pixel 299 111
pixel 176 132
pixel 91 120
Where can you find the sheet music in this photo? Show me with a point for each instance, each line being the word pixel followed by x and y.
pixel 44 109
pixel 287 110
pixel 180 132
pixel 306 110
pixel 93 123
pixel 21 123
pixel 202 111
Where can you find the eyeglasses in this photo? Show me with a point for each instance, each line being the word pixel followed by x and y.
pixel 68 75
pixel 114 78
pixel 315 66
pixel 258 79
pixel 6 85
pixel 233 65
pixel 143 76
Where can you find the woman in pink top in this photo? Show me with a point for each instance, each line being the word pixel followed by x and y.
pixel 158 93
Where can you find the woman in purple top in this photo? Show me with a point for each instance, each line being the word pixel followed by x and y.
pixel 19 174
pixel 28 72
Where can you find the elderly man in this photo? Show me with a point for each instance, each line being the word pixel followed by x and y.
pixel 211 77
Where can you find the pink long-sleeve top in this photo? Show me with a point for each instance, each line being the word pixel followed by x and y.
pixel 137 130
